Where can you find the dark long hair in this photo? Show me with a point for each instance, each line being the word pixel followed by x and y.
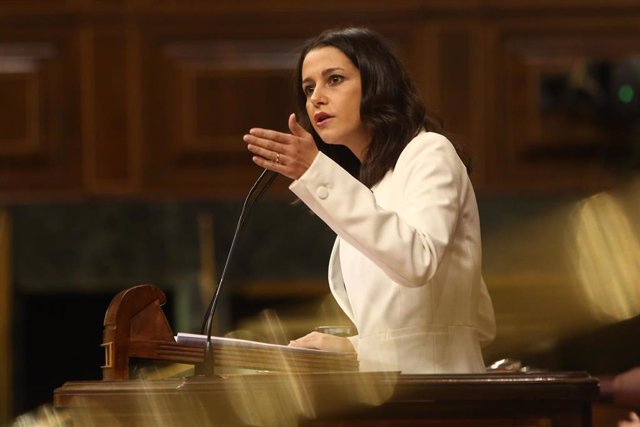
pixel 390 105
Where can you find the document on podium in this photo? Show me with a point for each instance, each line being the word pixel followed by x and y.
pixel 197 339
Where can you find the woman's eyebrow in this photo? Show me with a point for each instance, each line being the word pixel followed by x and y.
pixel 324 73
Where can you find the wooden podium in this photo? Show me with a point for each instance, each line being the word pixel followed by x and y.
pixel 320 396
pixel 135 328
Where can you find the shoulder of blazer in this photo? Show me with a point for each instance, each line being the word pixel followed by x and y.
pixel 430 148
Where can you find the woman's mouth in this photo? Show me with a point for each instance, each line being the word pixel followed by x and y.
pixel 321 118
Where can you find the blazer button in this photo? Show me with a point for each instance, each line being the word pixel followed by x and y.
pixel 322 193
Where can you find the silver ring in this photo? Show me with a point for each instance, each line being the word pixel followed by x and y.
pixel 277 160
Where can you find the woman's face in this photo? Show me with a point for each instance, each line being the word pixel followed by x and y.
pixel 332 86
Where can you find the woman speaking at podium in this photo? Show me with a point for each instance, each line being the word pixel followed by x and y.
pixel 406 263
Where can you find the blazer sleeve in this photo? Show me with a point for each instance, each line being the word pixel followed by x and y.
pixel 407 241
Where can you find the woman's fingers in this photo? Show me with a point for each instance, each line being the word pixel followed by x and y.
pixel 320 341
pixel 289 154
pixel 269 155
pixel 265 140
pixel 269 144
pixel 271 136
pixel 296 129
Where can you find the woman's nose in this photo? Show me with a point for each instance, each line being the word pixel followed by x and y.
pixel 317 97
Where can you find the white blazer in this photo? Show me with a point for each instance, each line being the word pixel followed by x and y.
pixel 406 265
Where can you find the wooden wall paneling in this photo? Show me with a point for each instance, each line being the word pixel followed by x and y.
pixel 194 76
pixel 454 83
pixel 425 66
pixel 202 96
pixel 20 110
pixel 35 6
pixel 100 11
pixel 454 53
pixel 559 148
pixel 39 138
pixel 461 79
pixel 111 115
pixel 481 99
pixel 110 4
pixel 493 157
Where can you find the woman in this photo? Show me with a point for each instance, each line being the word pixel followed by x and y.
pixel 405 266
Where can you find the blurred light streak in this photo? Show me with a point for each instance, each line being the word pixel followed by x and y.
pixel 288 399
pixel 283 403
pixel 606 257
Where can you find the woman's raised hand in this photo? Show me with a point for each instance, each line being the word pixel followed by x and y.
pixel 289 154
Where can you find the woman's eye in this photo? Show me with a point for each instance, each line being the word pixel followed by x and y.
pixel 308 90
pixel 335 79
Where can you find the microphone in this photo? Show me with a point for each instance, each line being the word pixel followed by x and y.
pixel 266 178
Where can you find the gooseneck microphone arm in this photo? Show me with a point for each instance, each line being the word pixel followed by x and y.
pixel 255 193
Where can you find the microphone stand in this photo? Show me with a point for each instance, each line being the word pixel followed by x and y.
pixel 206 368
